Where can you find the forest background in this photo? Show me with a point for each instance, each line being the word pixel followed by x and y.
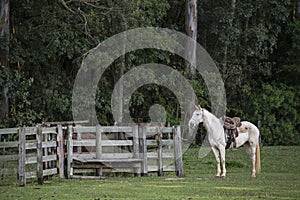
pixel 255 45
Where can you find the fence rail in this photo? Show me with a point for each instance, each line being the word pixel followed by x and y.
pixel 42 151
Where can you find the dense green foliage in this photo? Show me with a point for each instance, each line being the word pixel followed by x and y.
pixel 255 44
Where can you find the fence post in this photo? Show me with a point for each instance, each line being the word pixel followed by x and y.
pixel 22 156
pixel 259 128
pixel 99 146
pixel 60 151
pixel 39 148
pixel 135 140
pixel 79 149
pixel 178 151
pixel 143 149
pixel 70 152
pixel 159 153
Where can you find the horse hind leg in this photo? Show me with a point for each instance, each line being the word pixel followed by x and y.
pixel 251 151
pixel 217 156
pixel 257 159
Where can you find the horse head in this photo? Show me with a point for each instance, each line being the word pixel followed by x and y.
pixel 196 118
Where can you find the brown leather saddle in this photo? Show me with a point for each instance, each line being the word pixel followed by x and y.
pixel 230 129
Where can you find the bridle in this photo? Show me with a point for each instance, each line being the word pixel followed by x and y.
pixel 202 112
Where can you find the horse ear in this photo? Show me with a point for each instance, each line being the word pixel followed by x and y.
pixel 198 107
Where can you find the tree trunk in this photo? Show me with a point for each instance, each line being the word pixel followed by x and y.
pixel 232 14
pixel 4 32
pixel 298 9
pixel 120 73
pixel 4 51
pixel 191 30
pixel 190 48
pixel 4 104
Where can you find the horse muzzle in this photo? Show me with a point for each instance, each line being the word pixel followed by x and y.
pixel 192 124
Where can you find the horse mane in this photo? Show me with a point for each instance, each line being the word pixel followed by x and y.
pixel 211 122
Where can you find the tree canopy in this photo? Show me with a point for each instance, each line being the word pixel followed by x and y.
pixel 255 45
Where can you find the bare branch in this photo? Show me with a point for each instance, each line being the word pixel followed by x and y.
pixel 66 6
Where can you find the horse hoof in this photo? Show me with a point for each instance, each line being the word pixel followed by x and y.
pixel 218 176
pixel 253 176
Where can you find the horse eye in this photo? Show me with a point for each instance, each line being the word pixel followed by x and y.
pixel 197 114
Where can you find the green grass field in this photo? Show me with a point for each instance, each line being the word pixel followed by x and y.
pixel 279 179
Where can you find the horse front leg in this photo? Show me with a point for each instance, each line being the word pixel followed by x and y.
pixel 217 156
pixel 222 152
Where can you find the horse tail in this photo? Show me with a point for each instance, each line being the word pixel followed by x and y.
pixel 257 159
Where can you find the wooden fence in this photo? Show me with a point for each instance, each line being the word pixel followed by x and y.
pixel 36 152
pixel 164 148
pixel 104 149
pixel 32 152
pixel 141 150
pixel 45 148
pixel 9 141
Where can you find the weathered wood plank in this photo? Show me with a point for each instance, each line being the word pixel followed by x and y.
pixel 31 174
pixel 32 160
pixel 79 149
pixel 22 156
pixel 153 155
pixel 104 143
pixel 105 129
pixel 83 171
pixel 13 144
pixel 116 129
pixel 60 151
pixel 167 168
pixel 104 155
pixel 84 129
pixel 9 171
pixel 70 152
pixel 49 144
pixel 80 143
pixel 30 130
pixel 143 150
pixel 155 129
pixel 39 137
pixel 99 147
pixel 165 142
pixel 166 129
pixel 135 143
pixel 9 131
pixel 160 171
pixel 48 172
pixel 6 158
pixel 67 122
pixel 30 144
pixel 87 177
pixel 178 151
pixel 47 130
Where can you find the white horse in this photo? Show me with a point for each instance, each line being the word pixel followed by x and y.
pixel 248 136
